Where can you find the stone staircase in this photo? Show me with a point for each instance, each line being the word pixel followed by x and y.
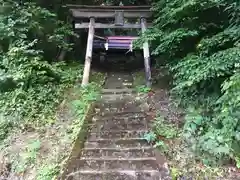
pixel 115 148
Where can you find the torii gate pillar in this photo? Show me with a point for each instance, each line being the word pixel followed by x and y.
pixel 88 57
pixel 146 55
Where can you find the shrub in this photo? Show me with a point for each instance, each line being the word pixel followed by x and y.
pixel 200 40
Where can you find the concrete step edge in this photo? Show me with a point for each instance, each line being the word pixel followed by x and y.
pixel 122 119
pixel 118 91
pixel 119 159
pixel 111 115
pixel 116 139
pixel 120 113
pixel 121 149
pixel 115 171
pixel 117 110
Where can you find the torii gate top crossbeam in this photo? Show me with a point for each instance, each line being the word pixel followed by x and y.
pixel 84 11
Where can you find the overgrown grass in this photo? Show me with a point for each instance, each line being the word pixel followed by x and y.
pixel 162 133
pixel 79 106
pixel 37 105
pixel 33 136
pixel 27 157
pixel 199 41
pixel 183 163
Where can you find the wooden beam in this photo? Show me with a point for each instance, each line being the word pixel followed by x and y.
pixel 88 57
pixel 111 26
pixel 110 10
pixel 146 55
pixel 106 7
pixel 78 13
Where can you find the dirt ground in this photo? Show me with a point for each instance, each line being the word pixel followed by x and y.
pixel 53 141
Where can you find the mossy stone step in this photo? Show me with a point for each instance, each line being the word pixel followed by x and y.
pixel 119 91
pixel 117 164
pixel 117 125
pixel 122 115
pixel 116 134
pixel 117 143
pixel 115 148
pixel 107 153
pixel 118 175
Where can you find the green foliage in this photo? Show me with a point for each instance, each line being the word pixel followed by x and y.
pixel 86 95
pixel 150 137
pixel 164 129
pixel 28 157
pixel 175 173
pixel 143 89
pixel 48 172
pixel 41 97
pixel 171 43
pixel 31 83
pixel 161 130
pixel 200 40
pixel 6 124
pixel 161 145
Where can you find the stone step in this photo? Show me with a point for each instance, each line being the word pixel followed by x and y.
pixel 106 110
pixel 108 125
pixel 129 159
pixel 122 120
pixel 122 99
pixel 116 164
pixel 117 143
pixel 118 91
pixel 116 175
pixel 119 153
pixel 115 127
pixel 118 104
pixel 117 134
pixel 121 107
pixel 121 115
pixel 116 97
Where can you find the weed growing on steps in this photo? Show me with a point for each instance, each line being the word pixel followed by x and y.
pixel 161 133
pixel 143 89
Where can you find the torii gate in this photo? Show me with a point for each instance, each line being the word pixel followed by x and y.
pixel 92 14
